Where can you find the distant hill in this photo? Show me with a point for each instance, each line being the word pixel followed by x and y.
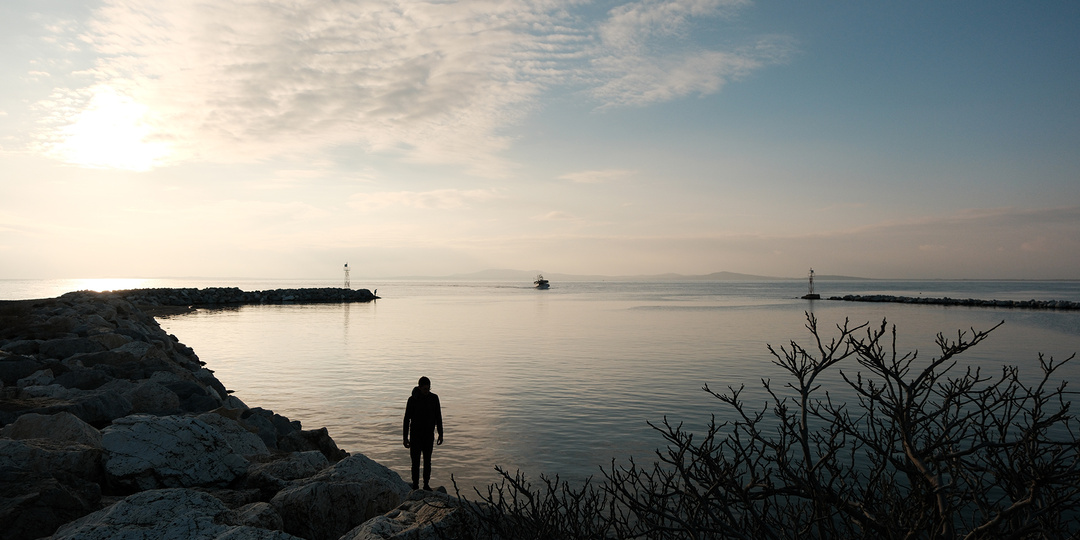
pixel 529 275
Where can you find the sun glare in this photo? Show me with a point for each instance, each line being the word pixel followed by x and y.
pixel 111 133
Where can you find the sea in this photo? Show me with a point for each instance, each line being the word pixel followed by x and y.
pixel 567 381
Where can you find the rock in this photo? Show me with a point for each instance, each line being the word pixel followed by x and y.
pixel 38 378
pixel 193 397
pixel 258 514
pixel 66 347
pixel 83 379
pixel 52 391
pixel 425 516
pixel 295 466
pixel 34 505
pixel 147 452
pixel 47 457
pixel 262 424
pixel 60 427
pixel 165 514
pixel 339 498
pixel 13 368
pixel 315 439
pixel 151 397
pixel 241 440
pixel 206 377
pixel 111 340
pixel 98 408
pixel 22 346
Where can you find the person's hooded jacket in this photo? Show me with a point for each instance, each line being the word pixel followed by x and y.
pixel 423 415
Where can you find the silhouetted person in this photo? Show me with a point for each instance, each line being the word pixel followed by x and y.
pixel 423 416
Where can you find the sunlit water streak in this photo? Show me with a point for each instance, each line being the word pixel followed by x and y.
pixel 563 381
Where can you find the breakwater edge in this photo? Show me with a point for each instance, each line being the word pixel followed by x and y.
pixel 1064 305
pixel 111 427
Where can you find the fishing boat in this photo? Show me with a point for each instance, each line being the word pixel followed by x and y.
pixel 540 282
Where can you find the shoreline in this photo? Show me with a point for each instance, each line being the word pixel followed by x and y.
pixel 109 426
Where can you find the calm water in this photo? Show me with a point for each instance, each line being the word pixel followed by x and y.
pixel 561 381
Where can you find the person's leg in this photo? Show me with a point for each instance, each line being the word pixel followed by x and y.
pixel 414 451
pixel 428 447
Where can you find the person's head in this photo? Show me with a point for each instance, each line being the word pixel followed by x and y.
pixel 425 384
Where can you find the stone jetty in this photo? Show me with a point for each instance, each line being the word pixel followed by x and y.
pixel 969 302
pixel 232 296
pixel 110 427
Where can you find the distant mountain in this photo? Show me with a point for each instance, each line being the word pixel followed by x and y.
pixel 529 275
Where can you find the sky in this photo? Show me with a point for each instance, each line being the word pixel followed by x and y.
pixel 284 138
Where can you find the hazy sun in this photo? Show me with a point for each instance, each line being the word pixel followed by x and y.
pixel 111 132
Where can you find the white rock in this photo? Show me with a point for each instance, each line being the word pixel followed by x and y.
pixel 164 514
pixel 150 452
pixel 425 516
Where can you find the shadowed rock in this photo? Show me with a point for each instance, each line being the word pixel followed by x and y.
pixel 339 498
pixel 60 427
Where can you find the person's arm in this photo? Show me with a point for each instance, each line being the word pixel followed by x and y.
pixel 438 418
pixel 405 423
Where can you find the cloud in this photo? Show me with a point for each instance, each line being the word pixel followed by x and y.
pixel 442 199
pixel 596 177
pixel 556 215
pixel 432 82
pixel 637 65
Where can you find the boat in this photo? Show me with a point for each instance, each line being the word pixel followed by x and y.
pixel 812 295
pixel 540 282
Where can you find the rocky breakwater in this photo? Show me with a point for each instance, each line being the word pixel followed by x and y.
pixel 969 302
pixel 233 296
pixel 110 427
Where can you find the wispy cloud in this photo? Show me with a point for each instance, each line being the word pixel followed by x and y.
pixel 443 199
pixel 644 57
pixel 596 177
pixel 434 82
pixel 556 215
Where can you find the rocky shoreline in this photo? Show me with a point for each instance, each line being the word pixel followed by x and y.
pixel 110 427
pixel 232 296
pixel 970 302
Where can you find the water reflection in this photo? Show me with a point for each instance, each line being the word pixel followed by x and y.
pixel 560 382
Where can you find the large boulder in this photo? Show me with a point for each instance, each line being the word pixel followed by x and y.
pixel 424 516
pixel 166 514
pixel 97 408
pixel 293 466
pixel 339 498
pixel 270 477
pixel 241 440
pixel 148 452
pixel 46 457
pixel 60 427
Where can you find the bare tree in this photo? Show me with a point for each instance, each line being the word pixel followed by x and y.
pixel 928 450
